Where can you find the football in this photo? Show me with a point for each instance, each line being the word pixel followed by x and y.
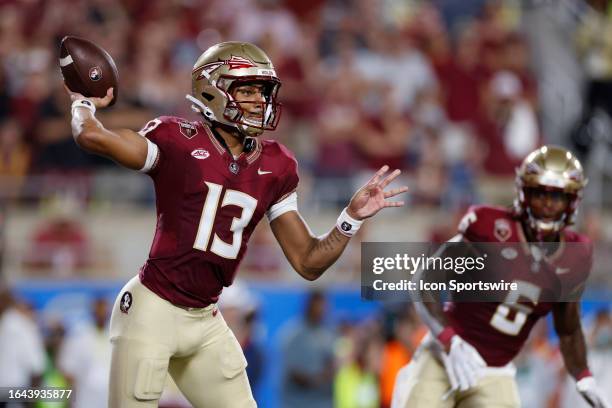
pixel 87 68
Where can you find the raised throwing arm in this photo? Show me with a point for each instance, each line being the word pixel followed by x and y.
pixel 124 146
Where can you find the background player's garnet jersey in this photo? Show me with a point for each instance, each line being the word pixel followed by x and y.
pixel 497 330
pixel 208 204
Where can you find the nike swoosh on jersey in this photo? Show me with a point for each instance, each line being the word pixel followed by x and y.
pixel 261 172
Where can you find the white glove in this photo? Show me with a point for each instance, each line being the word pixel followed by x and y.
pixel 463 364
pixel 589 391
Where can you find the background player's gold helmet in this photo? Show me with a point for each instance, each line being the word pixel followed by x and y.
pixel 551 168
pixel 229 64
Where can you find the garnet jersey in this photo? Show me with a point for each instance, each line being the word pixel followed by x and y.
pixel 208 204
pixel 499 330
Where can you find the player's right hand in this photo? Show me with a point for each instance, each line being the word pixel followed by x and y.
pixel 98 102
pixel 463 364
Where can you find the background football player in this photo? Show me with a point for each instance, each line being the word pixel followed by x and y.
pixel 214 181
pixel 466 360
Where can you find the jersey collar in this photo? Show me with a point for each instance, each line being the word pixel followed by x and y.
pixel 222 148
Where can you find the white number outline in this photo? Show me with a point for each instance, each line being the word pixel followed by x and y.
pixel 219 247
pixel 149 126
pixel 467 220
pixel 500 320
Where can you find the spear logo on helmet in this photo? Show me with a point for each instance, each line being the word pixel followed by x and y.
pixel 234 62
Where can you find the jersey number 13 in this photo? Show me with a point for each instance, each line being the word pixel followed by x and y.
pixel 207 220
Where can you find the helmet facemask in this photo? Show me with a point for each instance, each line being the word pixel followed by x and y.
pixel 543 226
pixel 239 112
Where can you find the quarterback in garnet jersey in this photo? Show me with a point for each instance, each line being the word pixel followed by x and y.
pixel 466 360
pixel 214 181
pixel 191 171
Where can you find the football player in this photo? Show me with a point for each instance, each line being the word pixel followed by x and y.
pixel 214 181
pixel 466 359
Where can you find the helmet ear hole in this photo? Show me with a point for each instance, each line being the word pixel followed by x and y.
pixel 207 96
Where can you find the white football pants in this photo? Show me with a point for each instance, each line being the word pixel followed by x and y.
pixel 151 338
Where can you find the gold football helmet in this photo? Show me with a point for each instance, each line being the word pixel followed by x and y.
pixel 551 168
pixel 224 66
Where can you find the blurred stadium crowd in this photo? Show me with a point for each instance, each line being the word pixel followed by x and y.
pixel 454 93
pixel 450 94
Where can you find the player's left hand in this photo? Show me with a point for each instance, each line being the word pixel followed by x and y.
pixel 372 197
pixel 591 393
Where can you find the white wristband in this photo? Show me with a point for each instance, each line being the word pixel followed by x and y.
pixel 347 225
pixel 83 103
pixel 79 115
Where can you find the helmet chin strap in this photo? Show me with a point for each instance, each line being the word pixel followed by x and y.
pixel 199 107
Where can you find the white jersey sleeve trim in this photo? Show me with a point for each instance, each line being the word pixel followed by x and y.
pixel 152 153
pixel 289 203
